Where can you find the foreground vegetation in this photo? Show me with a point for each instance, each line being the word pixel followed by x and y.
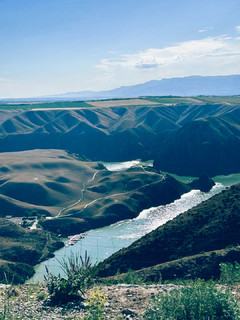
pixel 198 300
pixel 188 300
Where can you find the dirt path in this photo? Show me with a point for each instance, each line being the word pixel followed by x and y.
pixel 79 200
pixel 117 194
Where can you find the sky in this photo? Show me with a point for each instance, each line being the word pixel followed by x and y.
pixel 57 46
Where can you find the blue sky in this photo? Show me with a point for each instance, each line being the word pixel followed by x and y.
pixel 57 46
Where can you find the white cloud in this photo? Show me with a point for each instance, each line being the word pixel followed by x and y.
pixel 183 51
pixel 209 56
pixel 238 28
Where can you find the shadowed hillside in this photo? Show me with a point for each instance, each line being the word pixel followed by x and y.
pixel 212 225
pixel 209 144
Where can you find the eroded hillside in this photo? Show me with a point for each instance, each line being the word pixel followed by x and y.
pixel 188 139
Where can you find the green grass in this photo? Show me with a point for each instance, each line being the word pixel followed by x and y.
pixel 130 277
pixel 96 306
pixel 45 105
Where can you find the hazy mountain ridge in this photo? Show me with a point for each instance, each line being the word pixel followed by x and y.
pixel 186 86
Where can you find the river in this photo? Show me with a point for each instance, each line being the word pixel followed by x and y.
pixel 101 243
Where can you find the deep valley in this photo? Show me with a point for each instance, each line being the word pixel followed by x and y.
pixel 51 168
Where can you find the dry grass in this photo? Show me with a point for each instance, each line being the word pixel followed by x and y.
pixel 121 102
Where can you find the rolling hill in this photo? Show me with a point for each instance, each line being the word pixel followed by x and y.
pixel 42 180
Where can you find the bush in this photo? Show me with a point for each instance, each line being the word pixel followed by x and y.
pixel 77 277
pixel 198 301
pixel 230 273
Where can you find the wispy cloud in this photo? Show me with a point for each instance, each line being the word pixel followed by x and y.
pixel 209 56
pixel 238 28
pixel 205 29
pixel 5 80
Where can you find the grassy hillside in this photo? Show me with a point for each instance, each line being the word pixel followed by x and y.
pixel 212 225
pixel 43 105
pixel 42 180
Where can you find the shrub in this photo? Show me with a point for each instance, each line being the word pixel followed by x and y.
pixel 230 273
pixel 77 277
pixel 198 301
pixel 96 305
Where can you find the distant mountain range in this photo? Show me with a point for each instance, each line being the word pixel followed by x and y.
pixel 188 86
